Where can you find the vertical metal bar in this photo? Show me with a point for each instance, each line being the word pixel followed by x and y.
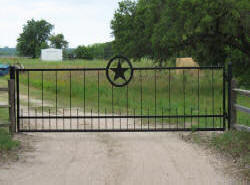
pixel 148 117
pixel 84 97
pixel 134 119
pixel 198 98
pixel 184 93
pixel 162 116
pixel 206 119
pixel 105 118
pixel 155 100
pixel 77 114
pixel 49 120
pixel 141 95
pixel 29 96
pixel 56 99
pixel 36 119
pixel 177 116
pixel 127 106
pixel 229 94
pixel 191 117
pixel 22 115
pixel 42 102
pixel 224 99
pixel 220 118
pixel 98 89
pixel 213 94
pixel 91 119
pixel 120 119
pixel 63 120
pixel 112 106
pixel 18 101
pixel 70 101
pixel 169 96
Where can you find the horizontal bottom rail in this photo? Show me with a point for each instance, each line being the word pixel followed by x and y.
pixel 117 117
pixel 127 130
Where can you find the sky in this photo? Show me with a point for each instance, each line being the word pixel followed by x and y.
pixel 82 22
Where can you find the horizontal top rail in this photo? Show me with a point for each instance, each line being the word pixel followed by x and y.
pixel 135 68
pixel 242 92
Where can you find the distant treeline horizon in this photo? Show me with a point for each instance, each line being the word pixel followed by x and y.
pixel 92 51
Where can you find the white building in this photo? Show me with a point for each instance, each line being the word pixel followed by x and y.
pixel 51 54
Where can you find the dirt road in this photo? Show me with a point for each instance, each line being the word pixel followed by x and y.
pixel 112 159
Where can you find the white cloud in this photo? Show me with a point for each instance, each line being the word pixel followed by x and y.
pixel 81 21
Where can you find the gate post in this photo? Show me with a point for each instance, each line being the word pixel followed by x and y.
pixel 12 107
pixel 229 106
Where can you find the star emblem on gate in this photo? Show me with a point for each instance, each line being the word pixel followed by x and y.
pixel 121 75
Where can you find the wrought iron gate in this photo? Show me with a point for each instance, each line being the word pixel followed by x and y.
pixel 121 98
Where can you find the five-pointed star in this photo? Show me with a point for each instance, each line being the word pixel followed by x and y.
pixel 119 71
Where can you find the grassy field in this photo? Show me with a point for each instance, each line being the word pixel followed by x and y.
pixel 175 93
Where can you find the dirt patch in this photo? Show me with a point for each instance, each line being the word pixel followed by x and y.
pixel 18 154
pixel 231 166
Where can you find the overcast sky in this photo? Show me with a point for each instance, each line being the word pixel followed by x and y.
pixel 81 21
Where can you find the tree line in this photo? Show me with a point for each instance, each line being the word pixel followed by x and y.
pixel 212 32
pixel 37 35
pixel 95 51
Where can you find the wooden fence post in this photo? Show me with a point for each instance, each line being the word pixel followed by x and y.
pixel 233 103
pixel 12 112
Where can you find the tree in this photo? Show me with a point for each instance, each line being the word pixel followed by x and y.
pixel 211 31
pixel 57 41
pixel 101 50
pixel 83 52
pixel 33 38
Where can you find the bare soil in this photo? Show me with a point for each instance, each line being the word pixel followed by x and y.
pixel 112 159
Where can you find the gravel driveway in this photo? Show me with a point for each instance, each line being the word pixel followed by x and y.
pixel 112 159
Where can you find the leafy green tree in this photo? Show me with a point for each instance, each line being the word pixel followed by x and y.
pixel 102 50
pixel 211 31
pixel 83 52
pixel 58 41
pixel 34 37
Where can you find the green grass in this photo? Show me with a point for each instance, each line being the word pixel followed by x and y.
pixel 178 84
pixel 4 115
pixel 237 145
pixel 233 144
pixel 6 141
pixel 242 117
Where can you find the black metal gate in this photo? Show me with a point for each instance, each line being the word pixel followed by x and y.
pixel 121 98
